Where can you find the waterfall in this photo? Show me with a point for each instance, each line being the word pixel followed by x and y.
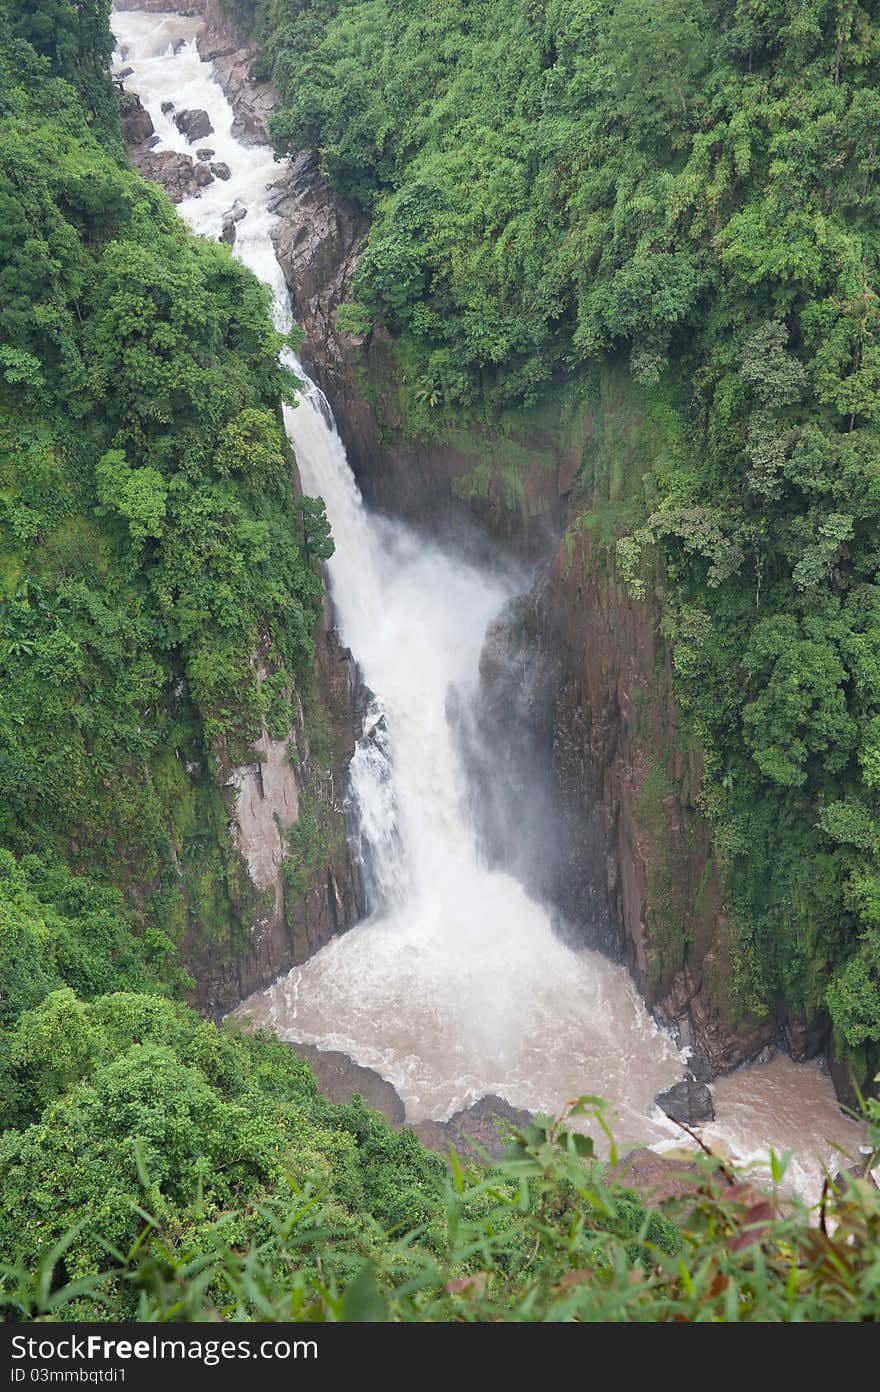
pixel 456 985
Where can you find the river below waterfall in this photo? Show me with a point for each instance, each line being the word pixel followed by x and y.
pixel 456 986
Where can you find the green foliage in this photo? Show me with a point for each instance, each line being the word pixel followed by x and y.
pixel 138 495
pixel 74 39
pixel 60 928
pixel 546 1235
pixel 137 1103
pixel 150 538
pixel 316 529
pixel 801 709
pixel 62 933
pixel 354 319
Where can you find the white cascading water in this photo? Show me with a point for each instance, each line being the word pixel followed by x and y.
pixel 456 986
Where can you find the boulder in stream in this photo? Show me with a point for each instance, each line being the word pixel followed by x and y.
pixel 179 175
pixel 688 1102
pixel 236 213
pixel 137 124
pixel 221 170
pixel 205 154
pixel 656 1178
pixel 194 123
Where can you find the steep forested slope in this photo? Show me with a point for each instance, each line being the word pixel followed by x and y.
pixel 692 186
pixel 150 538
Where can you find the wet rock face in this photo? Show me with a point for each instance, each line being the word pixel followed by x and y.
pixel 137 124
pixel 477 1131
pixel 280 926
pixel 317 241
pixel 688 1102
pixel 340 1079
pixel 557 844
pixel 507 739
pixel 180 176
pixel 635 870
pixel 195 124
pixel 252 100
pixel 266 806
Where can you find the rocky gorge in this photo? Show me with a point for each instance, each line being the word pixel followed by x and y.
pixel 577 661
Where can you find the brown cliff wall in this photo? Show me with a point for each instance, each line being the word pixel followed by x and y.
pixel 294 883
pixel 629 818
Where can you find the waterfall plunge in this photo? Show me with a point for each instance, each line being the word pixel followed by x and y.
pixel 456 986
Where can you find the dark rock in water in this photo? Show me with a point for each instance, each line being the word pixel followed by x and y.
pixel 220 170
pixel 235 215
pixel 166 107
pixel 372 733
pixel 805 1039
pixel 122 73
pixel 152 142
pixel 178 175
pixel 688 1102
pixel 340 1079
pixel 481 1129
pixel 194 124
pixel 204 153
pixel 700 1068
pixel 137 124
pixel 844 1178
